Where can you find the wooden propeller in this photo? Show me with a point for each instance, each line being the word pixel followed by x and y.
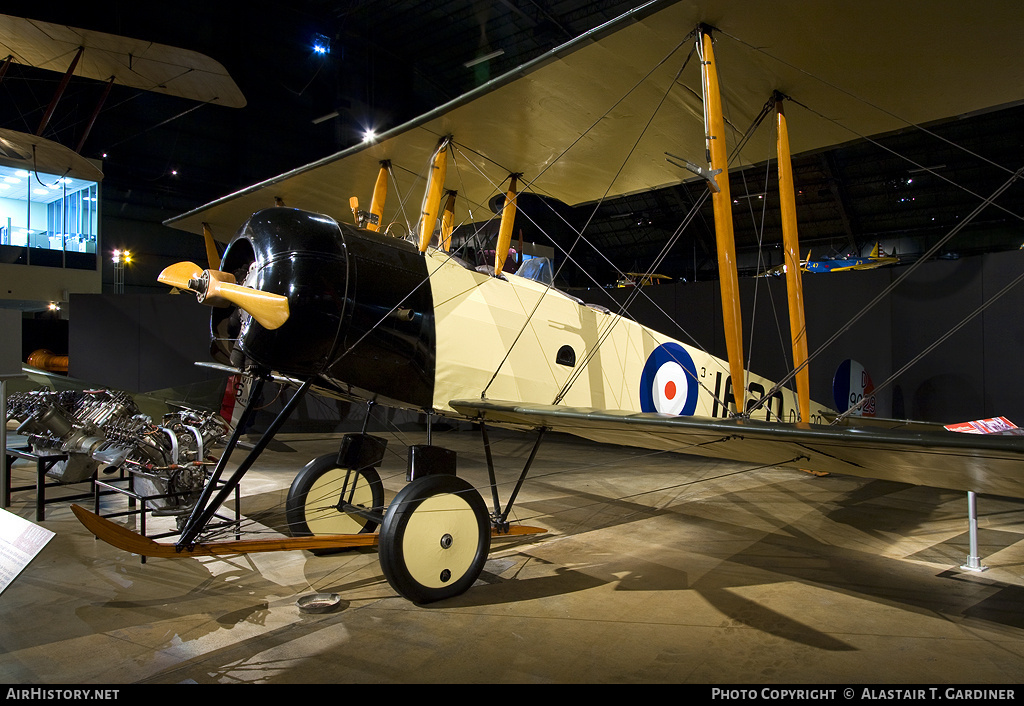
pixel 218 288
pixel 178 274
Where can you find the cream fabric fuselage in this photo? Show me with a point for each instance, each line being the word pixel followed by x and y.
pixel 500 338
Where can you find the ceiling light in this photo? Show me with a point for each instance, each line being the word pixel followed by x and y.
pixel 481 59
pixel 325 118
pixel 321 45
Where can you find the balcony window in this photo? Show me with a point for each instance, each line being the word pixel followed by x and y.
pixel 48 220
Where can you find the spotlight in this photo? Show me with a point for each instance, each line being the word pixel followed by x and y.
pixel 321 45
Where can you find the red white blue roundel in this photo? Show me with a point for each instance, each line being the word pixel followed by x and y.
pixel 668 383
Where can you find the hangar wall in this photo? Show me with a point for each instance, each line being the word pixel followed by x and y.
pixel 138 343
pixel 10 342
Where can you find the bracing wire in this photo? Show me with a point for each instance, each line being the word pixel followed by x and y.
pixel 898 280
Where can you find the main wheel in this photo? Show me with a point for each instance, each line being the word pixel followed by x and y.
pixel 435 538
pixel 312 507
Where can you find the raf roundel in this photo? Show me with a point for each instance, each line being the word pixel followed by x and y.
pixel 668 383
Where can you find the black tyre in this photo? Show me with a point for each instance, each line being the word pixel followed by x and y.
pixel 435 538
pixel 316 492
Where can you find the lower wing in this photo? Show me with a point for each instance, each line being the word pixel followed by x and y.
pixel 906 452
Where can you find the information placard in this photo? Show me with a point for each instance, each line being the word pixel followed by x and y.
pixel 20 542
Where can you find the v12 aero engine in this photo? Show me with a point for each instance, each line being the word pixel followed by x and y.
pixel 104 430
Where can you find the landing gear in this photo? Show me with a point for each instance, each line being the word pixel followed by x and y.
pixel 327 499
pixel 435 538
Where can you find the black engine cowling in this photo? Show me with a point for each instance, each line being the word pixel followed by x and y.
pixel 361 312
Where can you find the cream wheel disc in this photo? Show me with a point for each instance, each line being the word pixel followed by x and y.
pixel 435 538
pixel 440 540
pixel 322 514
pixel 312 507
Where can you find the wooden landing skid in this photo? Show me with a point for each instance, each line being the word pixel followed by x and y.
pixel 129 541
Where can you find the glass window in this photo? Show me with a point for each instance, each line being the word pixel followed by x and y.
pixel 47 212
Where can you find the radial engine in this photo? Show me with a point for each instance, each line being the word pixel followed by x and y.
pixel 104 430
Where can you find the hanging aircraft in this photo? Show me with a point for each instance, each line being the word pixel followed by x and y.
pixel 877 258
pixel 303 296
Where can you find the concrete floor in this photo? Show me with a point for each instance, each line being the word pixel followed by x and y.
pixel 657 568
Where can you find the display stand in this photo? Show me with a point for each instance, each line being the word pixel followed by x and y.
pixel 139 505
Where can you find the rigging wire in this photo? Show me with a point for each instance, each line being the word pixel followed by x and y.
pixel 264 521
pixel 941 339
pixel 916 126
pixel 670 243
pixel 929 170
pixel 904 275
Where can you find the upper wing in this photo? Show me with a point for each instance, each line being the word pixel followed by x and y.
pixel 569 120
pixel 33 153
pixel 130 62
pixel 921 454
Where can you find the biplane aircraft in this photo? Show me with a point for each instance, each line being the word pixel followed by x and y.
pixel 355 310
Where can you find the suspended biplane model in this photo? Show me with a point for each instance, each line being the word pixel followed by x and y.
pixel 106 60
pixel 354 310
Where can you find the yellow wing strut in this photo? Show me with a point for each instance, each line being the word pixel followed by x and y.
pixel 794 282
pixel 380 194
pixel 448 222
pixel 212 256
pixel 432 196
pixel 508 217
pixel 721 201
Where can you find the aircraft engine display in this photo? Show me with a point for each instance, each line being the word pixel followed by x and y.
pixel 104 430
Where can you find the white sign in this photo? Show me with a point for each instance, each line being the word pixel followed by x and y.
pixel 20 541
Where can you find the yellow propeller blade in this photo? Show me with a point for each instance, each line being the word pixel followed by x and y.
pixel 215 287
pixel 178 274
pixel 270 310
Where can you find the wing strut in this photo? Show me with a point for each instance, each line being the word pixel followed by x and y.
pixel 212 256
pixel 794 283
pixel 721 200
pixel 380 194
pixel 448 222
pixel 432 196
pixel 508 217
